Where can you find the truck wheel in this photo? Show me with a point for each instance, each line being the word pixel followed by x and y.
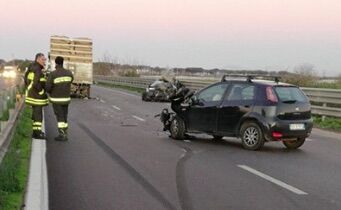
pixel 89 91
pixel 216 137
pixel 294 144
pixel 177 128
pixel 252 136
pixel 84 91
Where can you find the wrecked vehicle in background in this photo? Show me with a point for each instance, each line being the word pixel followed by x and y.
pixel 161 90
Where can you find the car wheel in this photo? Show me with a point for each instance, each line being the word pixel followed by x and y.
pixel 177 128
pixel 252 136
pixel 144 95
pixel 216 137
pixel 294 144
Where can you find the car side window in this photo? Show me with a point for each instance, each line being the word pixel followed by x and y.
pixel 241 92
pixel 213 94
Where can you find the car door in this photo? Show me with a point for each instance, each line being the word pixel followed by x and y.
pixel 202 116
pixel 235 105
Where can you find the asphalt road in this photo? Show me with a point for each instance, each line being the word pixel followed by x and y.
pixel 119 158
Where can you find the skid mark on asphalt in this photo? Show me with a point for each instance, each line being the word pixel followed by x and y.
pixel 273 180
pixel 149 188
pixel 183 193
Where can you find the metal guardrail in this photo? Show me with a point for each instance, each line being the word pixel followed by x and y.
pixel 9 108
pixel 329 98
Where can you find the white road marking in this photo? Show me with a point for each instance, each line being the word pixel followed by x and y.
pixel 309 139
pixel 187 141
pixel 116 107
pixel 102 101
pixel 273 180
pixel 139 118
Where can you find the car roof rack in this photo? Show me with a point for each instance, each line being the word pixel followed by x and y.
pixel 250 77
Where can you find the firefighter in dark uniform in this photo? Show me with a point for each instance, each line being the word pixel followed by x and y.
pixel 59 87
pixel 35 81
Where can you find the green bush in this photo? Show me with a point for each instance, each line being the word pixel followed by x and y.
pixel 129 73
pixel 125 87
pixel 5 115
pixel 329 123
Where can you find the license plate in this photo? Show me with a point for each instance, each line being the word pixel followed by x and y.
pixel 295 127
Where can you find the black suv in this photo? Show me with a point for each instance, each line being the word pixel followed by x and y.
pixel 253 109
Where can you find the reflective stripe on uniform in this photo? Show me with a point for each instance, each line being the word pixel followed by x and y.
pixel 60 99
pixel 36 101
pixel 62 125
pixel 43 79
pixel 41 92
pixel 30 76
pixel 37 123
pixel 62 79
pixel 30 86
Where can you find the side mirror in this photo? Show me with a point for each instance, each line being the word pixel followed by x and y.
pixel 196 101
pixel 193 100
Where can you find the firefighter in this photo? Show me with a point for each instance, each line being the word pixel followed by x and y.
pixel 59 87
pixel 35 81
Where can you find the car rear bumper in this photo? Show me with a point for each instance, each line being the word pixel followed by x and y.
pixel 282 127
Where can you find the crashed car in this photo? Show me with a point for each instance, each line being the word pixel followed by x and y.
pixel 254 110
pixel 160 90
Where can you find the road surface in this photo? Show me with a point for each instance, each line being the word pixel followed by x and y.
pixel 119 158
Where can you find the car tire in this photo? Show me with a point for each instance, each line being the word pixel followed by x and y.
pixel 177 128
pixel 217 137
pixel 252 136
pixel 294 144
pixel 144 95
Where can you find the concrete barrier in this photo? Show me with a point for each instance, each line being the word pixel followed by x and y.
pixel 37 188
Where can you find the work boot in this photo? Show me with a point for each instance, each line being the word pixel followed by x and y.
pixel 38 135
pixel 62 135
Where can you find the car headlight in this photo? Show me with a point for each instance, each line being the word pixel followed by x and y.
pixel 9 74
pixel 12 74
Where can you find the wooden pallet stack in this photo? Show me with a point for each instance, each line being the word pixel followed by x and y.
pixel 73 50
pixel 77 53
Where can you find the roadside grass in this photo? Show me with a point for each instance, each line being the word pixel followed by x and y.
pixel 5 114
pixel 330 123
pixel 125 87
pixel 14 167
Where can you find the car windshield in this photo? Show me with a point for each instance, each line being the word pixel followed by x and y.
pixel 290 94
pixel 214 93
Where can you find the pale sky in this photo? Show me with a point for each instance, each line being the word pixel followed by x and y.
pixel 250 34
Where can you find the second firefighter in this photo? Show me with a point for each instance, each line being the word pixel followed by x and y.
pixel 59 87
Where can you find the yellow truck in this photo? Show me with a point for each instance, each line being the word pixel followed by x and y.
pixel 77 53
